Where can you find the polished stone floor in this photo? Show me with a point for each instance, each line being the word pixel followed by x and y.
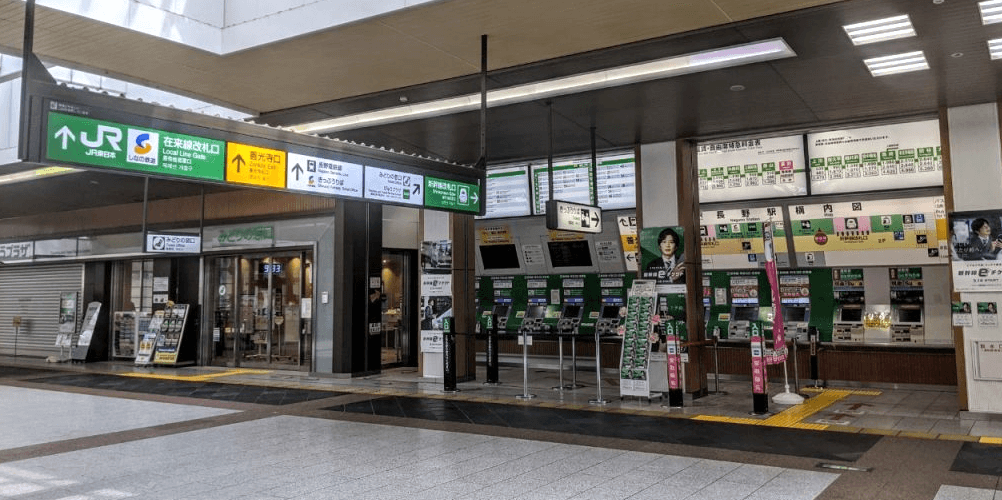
pixel 105 431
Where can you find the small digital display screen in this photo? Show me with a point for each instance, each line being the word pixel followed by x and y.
pixel 569 253
pixel 909 315
pixel 851 315
pixel 536 311
pixel 610 312
pixel 499 256
pixel 270 268
pixel 795 314
pixel 572 311
pixel 745 314
pixel 501 311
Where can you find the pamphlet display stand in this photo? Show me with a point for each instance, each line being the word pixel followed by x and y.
pixel 634 364
pixel 148 343
pixel 67 325
pixel 170 335
pixel 81 351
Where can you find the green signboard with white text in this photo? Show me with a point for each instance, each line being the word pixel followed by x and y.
pixel 87 141
pixel 451 195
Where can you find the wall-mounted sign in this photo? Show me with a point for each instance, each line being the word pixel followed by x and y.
pixel 393 186
pixel 246 236
pixel 572 182
pixel 87 141
pixel 745 169
pixel 733 239
pixel 317 175
pixel 508 192
pixel 905 155
pixel 13 252
pixel 630 241
pixel 451 195
pixel 173 243
pixel 565 216
pixel 876 232
pixel 246 164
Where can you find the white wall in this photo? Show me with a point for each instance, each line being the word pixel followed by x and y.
pixel 976 160
pixel 659 187
pixel 401 227
pixel 10 109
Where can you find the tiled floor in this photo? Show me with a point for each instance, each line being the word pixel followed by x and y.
pixel 962 493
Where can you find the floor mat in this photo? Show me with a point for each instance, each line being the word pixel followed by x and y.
pixel 792 442
pixel 979 458
pixel 17 371
pixel 201 390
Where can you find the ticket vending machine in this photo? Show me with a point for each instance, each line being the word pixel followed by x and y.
pixel 744 306
pixel 795 298
pixel 613 292
pixel 907 305
pixel 534 317
pixel 501 310
pixel 850 304
pixel 570 316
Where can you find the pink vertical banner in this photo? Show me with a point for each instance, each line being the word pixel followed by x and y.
pixel 674 362
pixel 758 359
pixel 778 335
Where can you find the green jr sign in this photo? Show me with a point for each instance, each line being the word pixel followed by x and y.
pixel 86 141
pixel 451 195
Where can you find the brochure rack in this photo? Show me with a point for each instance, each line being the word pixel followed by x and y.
pixel 634 363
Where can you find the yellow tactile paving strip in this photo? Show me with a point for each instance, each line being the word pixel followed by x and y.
pixel 195 378
pixel 792 417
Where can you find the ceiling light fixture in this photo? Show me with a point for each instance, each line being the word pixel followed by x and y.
pixel 991 11
pixel 880 30
pixel 899 63
pixel 38 173
pixel 735 55
pixel 995 48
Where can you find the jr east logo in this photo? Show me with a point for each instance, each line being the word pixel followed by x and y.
pixel 143 147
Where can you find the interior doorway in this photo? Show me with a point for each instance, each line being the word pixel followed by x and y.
pixel 262 310
pixel 399 302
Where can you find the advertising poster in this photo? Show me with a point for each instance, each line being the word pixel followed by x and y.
pixel 962 315
pixel 749 169
pixel 733 239
pixel 975 245
pixel 875 232
pixel 662 257
pixel 436 305
pixel 904 155
pixel 988 316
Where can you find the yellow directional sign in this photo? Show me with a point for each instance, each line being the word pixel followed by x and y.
pixel 256 166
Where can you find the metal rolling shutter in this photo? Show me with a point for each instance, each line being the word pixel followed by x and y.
pixel 32 292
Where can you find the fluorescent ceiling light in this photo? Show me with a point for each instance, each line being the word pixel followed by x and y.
pixel 995 48
pixel 38 173
pixel 900 63
pixel 726 57
pixel 880 30
pixel 991 11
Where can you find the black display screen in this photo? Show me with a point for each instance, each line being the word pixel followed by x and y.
pixel 501 311
pixel 852 315
pixel 795 314
pixel 909 315
pixel 537 311
pixel 610 312
pixel 745 314
pixel 571 311
pixel 569 253
pixel 499 256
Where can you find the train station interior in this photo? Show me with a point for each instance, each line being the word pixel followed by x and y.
pixel 713 249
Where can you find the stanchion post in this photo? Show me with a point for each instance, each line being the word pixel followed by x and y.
pixel 675 392
pixel 449 357
pixel 560 361
pixel 525 368
pixel 598 373
pixel 716 360
pixel 796 371
pixel 760 379
pixel 492 351
pixel 812 334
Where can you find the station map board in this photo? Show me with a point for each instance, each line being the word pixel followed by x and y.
pixel 733 239
pixel 746 169
pixel 873 232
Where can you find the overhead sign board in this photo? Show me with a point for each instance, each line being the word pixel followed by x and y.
pixel 451 195
pixel 565 216
pixel 23 250
pixel 173 243
pixel 393 186
pixel 508 192
pixel 256 166
pixel 617 182
pixel 745 169
pixel 572 182
pixel 321 175
pixel 100 143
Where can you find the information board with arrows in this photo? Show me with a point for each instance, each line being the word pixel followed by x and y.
pixel 313 174
pixel 255 166
pixel 451 195
pixel 397 187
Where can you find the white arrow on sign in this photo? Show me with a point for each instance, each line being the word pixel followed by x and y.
pixel 66 135
pixel 475 197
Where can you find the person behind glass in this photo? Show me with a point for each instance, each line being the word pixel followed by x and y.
pixel 668 266
pixel 981 246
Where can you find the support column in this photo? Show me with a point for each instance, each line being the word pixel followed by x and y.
pixel 358 240
pixel 688 217
pixel 464 303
